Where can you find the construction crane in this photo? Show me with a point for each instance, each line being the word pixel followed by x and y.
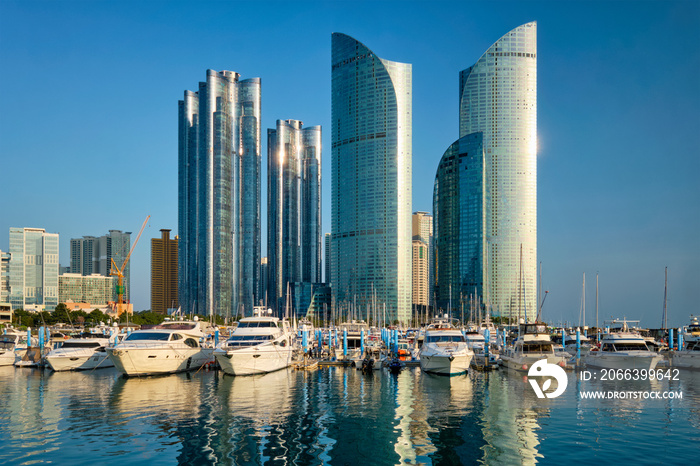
pixel 119 272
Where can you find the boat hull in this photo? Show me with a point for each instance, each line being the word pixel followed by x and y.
pixel 76 362
pixel 686 359
pixel 523 363
pixel 254 360
pixel 623 360
pixel 8 358
pixel 445 365
pixel 155 361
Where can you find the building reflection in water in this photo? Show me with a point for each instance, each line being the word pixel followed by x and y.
pixel 326 416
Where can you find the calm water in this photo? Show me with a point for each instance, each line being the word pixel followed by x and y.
pixel 336 416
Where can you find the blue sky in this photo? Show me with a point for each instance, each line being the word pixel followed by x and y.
pixel 88 121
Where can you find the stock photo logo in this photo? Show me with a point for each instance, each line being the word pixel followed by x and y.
pixel 542 369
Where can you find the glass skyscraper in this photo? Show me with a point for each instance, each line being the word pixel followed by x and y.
pixel 498 98
pixel 33 269
pixel 371 180
pixel 458 206
pixel 294 208
pixel 219 195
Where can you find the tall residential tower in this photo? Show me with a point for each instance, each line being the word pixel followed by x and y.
pixel 164 278
pixel 294 208
pixel 371 109
pixel 219 195
pixel 497 116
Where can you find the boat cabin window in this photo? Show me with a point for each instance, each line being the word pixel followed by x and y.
pixel 534 328
pixel 445 338
pixel 191 342
pixel 7 345
pixel 631 347
pixel 80 344
pixel 607 347
pixel 176 336
pixel 148 336
pixel 267 323
pixel 538 348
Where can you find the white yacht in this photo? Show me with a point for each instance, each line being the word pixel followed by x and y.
pixel 355 329
pixel 257 346
pixel 79 354
pixel 585 342
pixel 444 350
pixel 689 356
pixel 623 350
pixel 533 344
pixel 13 345
pixel 305 324
pixel 476 342
pixel 174 346
pixel 10 347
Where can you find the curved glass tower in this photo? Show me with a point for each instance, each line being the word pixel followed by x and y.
pixel 459 219
pixel 219 195
pixel 498 97
pixel 371 181
pixel 294 208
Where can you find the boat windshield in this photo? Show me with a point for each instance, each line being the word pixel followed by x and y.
pixel 248 340
pixel 7 344
pixel 148 336
pixel 80 344
pixel 533 328
pixel 258 324
pixel 630 346
pixel 445 338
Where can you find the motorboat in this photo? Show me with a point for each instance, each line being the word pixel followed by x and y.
pixel 308 326
pixel 355 329
pixel 166 348
pixel 689 356
pixel 567 344
pixel 532 345
pixel 623 349
pixel 258 345
pixel 444 350
pixel 80 354
pixel 13 346
pixel 477 343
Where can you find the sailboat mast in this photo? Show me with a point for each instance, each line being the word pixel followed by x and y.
pixel 596 308
pixel 664 321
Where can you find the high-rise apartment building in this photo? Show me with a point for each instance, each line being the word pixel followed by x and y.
pixel 422 230
pixel 371 108
pixel 421 260
pixel 33 269
pixel 219 195
pixel 93 255
pixel 294 208
pixel 95 289
pixel 458 205
pixel 164 278
pixel 498 111
pixel 4 277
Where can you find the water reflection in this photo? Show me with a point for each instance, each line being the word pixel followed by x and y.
pixel 329 416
